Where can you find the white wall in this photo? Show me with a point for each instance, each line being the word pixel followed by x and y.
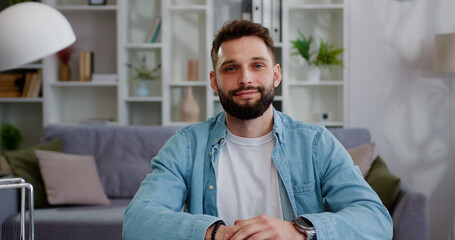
pixel 406 106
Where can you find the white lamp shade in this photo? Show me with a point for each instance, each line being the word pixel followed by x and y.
pixel 30 31
pixel 444 53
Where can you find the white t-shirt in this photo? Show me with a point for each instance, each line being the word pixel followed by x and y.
pixel 247 179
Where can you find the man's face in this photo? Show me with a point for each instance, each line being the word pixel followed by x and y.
pixel 245 77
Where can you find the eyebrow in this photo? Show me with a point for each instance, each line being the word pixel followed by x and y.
pixel 233 61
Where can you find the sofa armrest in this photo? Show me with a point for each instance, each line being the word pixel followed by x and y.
pixel 9 199
pixel 410 215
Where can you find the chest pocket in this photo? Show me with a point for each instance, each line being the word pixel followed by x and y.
pixel 308 198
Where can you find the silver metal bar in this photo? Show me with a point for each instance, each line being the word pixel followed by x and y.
pixel 9 183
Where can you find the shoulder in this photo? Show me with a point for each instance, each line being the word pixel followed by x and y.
pixel 288 125
pixel 204 130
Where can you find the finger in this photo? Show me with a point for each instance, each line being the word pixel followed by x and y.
pixel 247 230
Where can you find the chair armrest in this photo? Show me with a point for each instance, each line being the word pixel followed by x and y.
pixel 9 199
pixel 410 215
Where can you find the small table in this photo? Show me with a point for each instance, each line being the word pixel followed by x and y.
pixel 8 183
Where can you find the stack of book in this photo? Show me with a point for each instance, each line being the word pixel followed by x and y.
pixel 10 85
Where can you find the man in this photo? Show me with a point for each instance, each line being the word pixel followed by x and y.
pixel 252 172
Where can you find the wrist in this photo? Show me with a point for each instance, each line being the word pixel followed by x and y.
pixel 214 231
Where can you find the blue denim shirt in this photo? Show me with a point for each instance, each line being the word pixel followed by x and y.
pixel 317 181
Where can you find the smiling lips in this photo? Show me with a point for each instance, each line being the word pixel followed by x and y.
pixel 246 94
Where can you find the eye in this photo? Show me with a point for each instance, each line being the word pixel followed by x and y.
pixel 229 69
pixel 258 65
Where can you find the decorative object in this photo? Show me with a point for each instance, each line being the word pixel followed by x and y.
pixel 71 179
pixel 143 74
pixel 97 2
pixel 30 31
pixel 325 56
pixel 189 108
pixel 64 55
pixel 326 116
pixel 11 137
pixel 86 65
pixel 143 90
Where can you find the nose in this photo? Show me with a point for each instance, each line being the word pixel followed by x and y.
pixel 245 76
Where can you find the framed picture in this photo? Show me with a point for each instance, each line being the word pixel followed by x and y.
pixel 97 2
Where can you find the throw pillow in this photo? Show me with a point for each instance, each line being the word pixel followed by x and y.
pixel 24 164
pixel 363 157
pixel 384 183
pixel 71 179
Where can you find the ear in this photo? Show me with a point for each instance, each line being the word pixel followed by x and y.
pixel 276 75
pixel 213 83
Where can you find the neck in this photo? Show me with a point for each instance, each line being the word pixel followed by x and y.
pixel 251 128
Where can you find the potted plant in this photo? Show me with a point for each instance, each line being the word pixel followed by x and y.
pixel 326 56
pixel 143 74
pixel 11 139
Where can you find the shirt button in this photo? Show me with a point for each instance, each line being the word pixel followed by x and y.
pixel 211 187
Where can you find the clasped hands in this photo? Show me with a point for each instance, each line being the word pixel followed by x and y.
pixel 257 228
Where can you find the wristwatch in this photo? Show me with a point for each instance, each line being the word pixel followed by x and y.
pixel 304 226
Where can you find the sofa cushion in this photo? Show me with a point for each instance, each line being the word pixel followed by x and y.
pixel 384 183
pixel 24 164
pixel 363 157
pixel 71 179
pixel 122 154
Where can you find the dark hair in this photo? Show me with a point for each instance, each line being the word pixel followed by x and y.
pixel 236 29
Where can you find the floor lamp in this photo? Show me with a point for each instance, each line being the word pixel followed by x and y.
pixel 30 31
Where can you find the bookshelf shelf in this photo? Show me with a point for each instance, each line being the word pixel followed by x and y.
pixel 87 8
pixel 144 99
pixel 21 100
pixel 84 84
pixel 143 45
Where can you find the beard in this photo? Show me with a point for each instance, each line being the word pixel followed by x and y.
pixel 247 110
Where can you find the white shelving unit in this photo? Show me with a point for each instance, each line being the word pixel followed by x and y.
pixel 307 101
pixel 117 34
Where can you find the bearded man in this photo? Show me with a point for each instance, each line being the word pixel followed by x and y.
pixel 252 172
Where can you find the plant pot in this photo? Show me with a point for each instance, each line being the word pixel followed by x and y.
pixel 143 90
pixel 312 73
pixel 64 73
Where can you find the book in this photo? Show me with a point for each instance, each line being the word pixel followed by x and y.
pixel 28 81
pixel 98 77
pixel 156 29
pixel 35 85
pixel 10 94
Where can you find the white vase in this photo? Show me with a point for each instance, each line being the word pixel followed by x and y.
pixel 143 90
pixel 312 73
pixel 189 108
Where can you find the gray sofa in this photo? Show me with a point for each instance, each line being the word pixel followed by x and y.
pixel 123 159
